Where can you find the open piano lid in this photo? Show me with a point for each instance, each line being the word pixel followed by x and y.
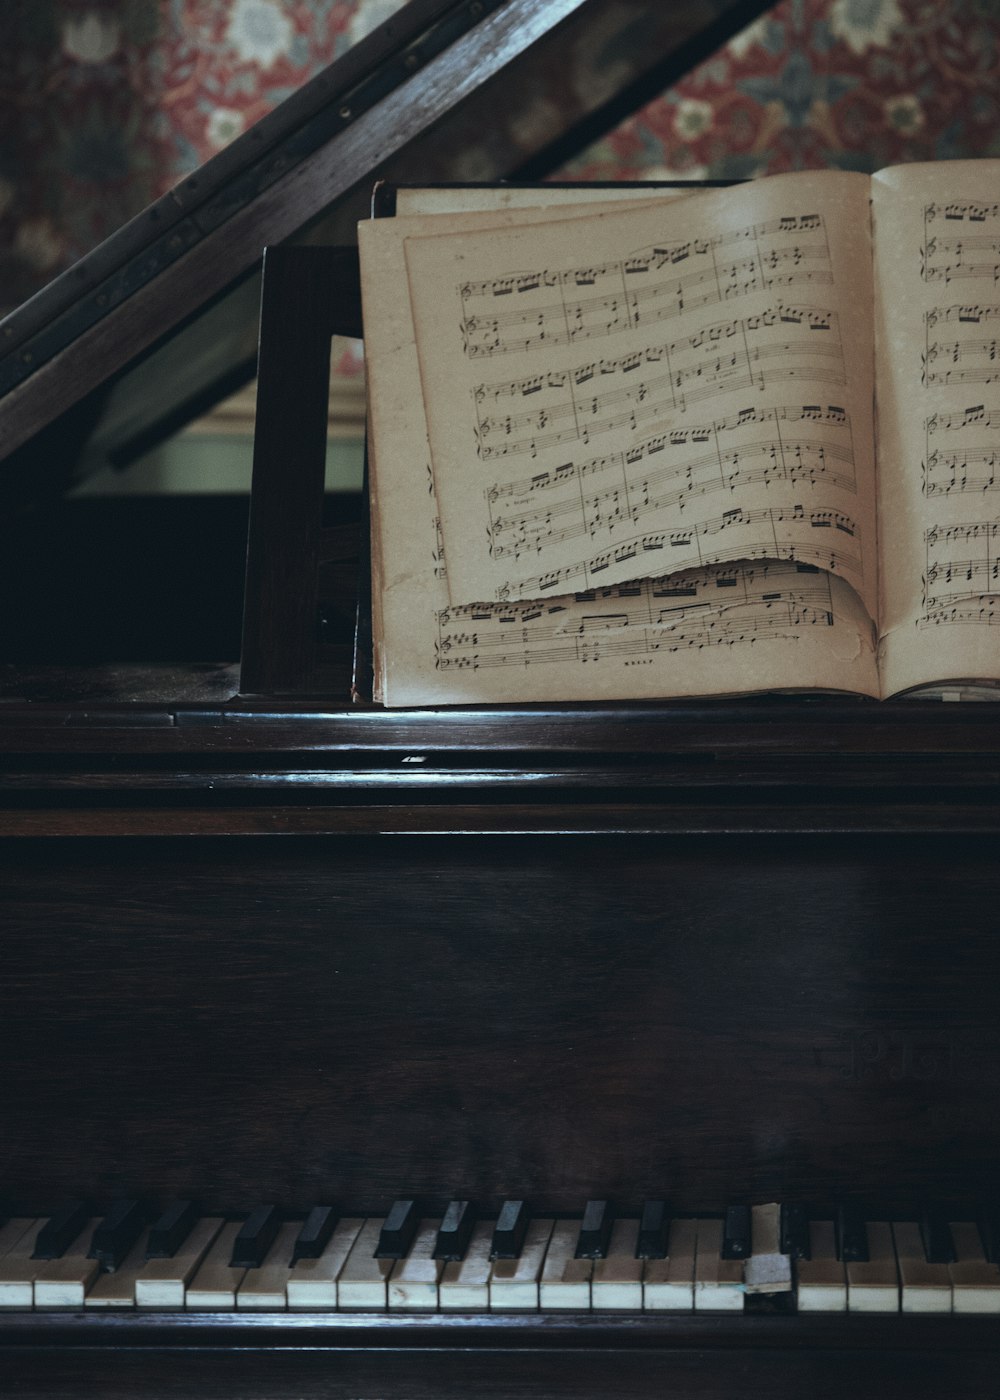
pixel 160 321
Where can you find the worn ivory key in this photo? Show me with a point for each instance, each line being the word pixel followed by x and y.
pixel 117 1288
pixel 413 1283
pixel 264 1286
pixel 312 1283
pixel 873 1286
pixel 63 1282
pixel 718 1282
pixel 975 1282
pixel 924 1287
pixel 617 1279
pixel 514 1283
pixel 216 1281
pixel 17 1268
pixel 821 1280
pixel 767 1270
pixel 163 1283
pixel 363 1279
pixel 565 1281
pixel 669 1282
pixel 465 1283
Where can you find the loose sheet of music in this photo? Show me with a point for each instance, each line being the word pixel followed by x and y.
pixel 625 448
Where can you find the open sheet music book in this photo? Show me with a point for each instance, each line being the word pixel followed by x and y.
pixel 634 444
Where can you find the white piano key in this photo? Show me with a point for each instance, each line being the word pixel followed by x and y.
pixel 117 1289
pixel 565 1281
pixel 821 1281
pixel 874 1286
pixel 616 1282
pixel 312 1283
pixel 413 1283
pixel 975 1282
pixel 924 1287
pixel 215 1282
pixel 163 1283
pixel 718 1282
pixel 18 1270
pixel 264 1287
pixel 465 1283
pixel 767 1270
pixel 63 1282
pixel 514 1283
pixel 13 1231
pixel 669 1283
pixel 363 1279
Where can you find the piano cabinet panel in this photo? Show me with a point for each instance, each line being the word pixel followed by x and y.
pixel 722 1368
pixel 556 1017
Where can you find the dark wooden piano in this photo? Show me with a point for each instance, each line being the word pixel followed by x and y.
pixel 268 948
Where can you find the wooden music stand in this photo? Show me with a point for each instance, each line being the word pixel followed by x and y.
pixel 300 604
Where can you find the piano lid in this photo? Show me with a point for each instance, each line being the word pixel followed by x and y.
pixel 160 321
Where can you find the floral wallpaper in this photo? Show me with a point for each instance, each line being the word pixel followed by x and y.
pixel 105 104
pixel 852 84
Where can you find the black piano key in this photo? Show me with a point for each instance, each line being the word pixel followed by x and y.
pixel 456 1229
pixel 935 1233
pixel 169 1231
pixel 654 1229
pixel 510 1229
pixel 595 1230
pixel 397 1233
pixel 852 1236
pixel 315 1234
pixel 794 1227
pixel 255 1238
pixel 115 1235
pixel 59 1232
pixel 737 1241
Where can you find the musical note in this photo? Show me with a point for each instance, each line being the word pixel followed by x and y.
pixel 776 345
pixel 962 562
pixel 600 496
pixel 743 604
pixel 543 308
pixel 790 532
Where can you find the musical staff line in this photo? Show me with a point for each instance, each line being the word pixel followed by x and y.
pixel 954 247
pixel 971 357
pixel 779 344
pixel 687 611
pixel 545 307
pixel 602 495
pixel 780 532
pixel 961 562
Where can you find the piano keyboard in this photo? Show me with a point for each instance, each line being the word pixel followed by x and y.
pixel 406 1262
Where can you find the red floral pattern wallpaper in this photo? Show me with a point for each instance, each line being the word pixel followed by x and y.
pixel 105 104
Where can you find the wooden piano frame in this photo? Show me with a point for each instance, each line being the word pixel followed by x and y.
pixel 287 948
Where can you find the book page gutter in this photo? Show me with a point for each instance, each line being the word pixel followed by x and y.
pixel 790 625
pixel 641 391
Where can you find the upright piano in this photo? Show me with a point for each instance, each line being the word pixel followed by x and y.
pixel 680 1010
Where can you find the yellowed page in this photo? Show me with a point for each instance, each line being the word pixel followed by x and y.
pixel 937 254
pixel 645 390
pixel 730 630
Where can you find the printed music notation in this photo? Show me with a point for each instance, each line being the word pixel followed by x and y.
pixel 779 344
pixel 971 357
pixel 604 495
pixel 744 605
pixel 961 239
pixel 524 310
pixel 948 469
pixel 827 538
pixel 961 572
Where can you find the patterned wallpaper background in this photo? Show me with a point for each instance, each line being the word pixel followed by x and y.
pixel 105 104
